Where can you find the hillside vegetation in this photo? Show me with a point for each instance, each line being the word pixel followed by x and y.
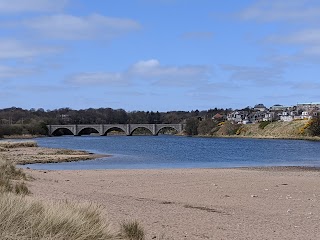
pixel 292 130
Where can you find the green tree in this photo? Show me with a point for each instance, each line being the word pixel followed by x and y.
pixel 192 126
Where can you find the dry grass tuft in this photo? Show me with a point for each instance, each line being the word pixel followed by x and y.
pixel 25 218
pixel 132 230
pixel 18 144
pixel 9 172
pixel 21 188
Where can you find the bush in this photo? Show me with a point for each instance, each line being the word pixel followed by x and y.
pixel 229 128
pixel 314 126
pixel 192 126
pixel 263 124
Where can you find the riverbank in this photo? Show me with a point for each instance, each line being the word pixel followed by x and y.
pixel 197 203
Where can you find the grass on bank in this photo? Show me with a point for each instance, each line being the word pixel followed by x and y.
pixel 11 178
pixel 25 218
pixel 7 144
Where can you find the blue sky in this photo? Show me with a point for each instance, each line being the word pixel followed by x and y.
pixel 158 55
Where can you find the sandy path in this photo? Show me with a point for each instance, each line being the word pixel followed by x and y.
pixel 197 203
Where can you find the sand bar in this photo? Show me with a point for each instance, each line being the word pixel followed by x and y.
pixel 280 203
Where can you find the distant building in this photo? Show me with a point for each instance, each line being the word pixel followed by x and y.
pixel 278 107
pixel 259 107
pixel 218 116
pixel 308 106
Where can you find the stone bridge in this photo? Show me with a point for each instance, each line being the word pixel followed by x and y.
pixel 103 129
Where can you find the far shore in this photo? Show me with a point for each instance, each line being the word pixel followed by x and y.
pixel 307 138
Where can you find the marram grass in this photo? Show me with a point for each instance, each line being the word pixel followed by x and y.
pixel 25 218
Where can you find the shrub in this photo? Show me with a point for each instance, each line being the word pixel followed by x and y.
pixel 263 124
pixel 192 126
pixel 314 126
pixel 229 128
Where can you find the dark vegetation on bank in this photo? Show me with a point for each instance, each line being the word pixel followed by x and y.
pixel 18 121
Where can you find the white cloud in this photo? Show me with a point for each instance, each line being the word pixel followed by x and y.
pixel 18 6
pixel 306 42
pixel 69 27
pixel 169 75
pixel 150 72
pixel 13 49
pixel 282 10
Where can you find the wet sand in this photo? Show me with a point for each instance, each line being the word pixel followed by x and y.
pixel 271 203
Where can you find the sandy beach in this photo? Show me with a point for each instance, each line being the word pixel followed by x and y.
pixel 275 203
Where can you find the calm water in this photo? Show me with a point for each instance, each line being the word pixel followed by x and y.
pixel 148 152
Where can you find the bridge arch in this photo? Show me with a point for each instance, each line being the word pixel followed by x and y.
pixel 169 128
pixel 134 129
pixel 87 131
pixel 114 128
pixel 62 131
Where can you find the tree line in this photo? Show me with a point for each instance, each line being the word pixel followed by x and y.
pixel 18 121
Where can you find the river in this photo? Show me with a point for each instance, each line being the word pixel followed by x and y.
pixel 154 152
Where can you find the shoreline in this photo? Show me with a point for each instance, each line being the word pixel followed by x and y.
pixel 192 204
pixel 306 138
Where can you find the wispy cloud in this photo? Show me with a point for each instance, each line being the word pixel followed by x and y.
pixel 255 75
pixel 70 27
pixel 97 78
pixel 306 85
pixel 282 10
pixel 7 72
pixel 307 36
pixel 18 6
pixel 150 72
pixel 14 49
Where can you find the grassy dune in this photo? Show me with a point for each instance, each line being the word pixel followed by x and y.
pixel 23 217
